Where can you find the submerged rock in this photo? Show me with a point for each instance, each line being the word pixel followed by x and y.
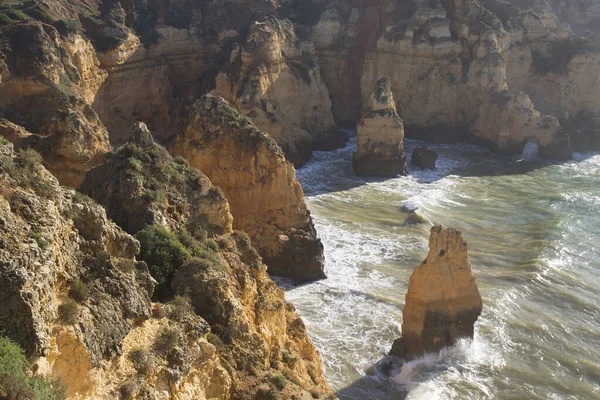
pixel 380 136
pixel 424 158
pixel 443 301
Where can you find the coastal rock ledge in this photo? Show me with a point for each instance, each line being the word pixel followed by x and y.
pixel 443 301
pixel 380 136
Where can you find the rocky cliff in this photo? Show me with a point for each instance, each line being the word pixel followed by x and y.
pixel 274 79
pixel 380 136
pixel 443 301
pixel 266 200
pixel 77 300
pixel 47 84
pixel 450 63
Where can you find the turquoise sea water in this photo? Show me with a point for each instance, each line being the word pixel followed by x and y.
pixel 533 230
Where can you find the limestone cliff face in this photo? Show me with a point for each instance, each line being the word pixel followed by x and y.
pixel 47 85
pixel 257 334
pixel 274 79
pixel 266 200
pixel 142 185
pixel 173 55
pixel 380 136
pixel 443 301
pixel 52 241
pixel 449 62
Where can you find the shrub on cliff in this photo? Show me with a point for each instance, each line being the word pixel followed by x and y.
pixel 163 253
pixel 15 382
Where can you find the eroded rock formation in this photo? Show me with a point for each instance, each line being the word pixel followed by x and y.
pixel 448 64
pixel 380 136
pixel 47 84
pixel 266 200
pixel 274 78
pixel 77 300
pixel 443 301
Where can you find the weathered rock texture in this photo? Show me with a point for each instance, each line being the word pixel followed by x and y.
pixel 380 136
pixel 274 79
pixel 259 334
pixel 47 84
pixel 141 184
pixel 449 63
pixel 75 298
pixel 51 238
pixel 442 302
pixel 423 158
pixel 266 200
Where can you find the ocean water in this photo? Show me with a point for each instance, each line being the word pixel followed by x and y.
pixel 533 230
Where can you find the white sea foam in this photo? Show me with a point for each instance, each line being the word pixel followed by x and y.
pixel 531 258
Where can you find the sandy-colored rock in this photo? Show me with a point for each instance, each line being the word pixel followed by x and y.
pixel 259 334
pixel 443 301
pixel 266 200
pixel 47 88
pixel 52 237
pixel 274 79
pixel 380 136
pixel 447 62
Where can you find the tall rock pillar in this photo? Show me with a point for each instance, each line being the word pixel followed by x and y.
pixel 380 136
pixel 443 301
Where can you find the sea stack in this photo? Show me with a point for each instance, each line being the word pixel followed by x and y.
pixel 380 136
pixel 443 301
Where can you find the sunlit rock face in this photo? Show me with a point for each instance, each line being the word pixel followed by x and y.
pixel 274 78
pixel 449 63
pixel 380 136
pixel 443 301
pixel 266 200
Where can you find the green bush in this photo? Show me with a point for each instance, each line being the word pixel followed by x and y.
pixel 166 341
pixel 279 381
pixel 79 291
pixel 215 341
pixel 142 360
pixel 179 308
pixel 66 26
pixel 163 253
pixel 15 382
pixel 68 312
pixel 39 239
pixel 3 141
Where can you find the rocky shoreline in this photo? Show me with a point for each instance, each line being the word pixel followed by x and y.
pixel 183 122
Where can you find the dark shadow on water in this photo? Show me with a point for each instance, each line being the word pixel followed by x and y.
pixel 330 172
pixel 376 384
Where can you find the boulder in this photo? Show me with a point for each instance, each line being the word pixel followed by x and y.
pixel 443 301
pixel 424 158
pixel 380 136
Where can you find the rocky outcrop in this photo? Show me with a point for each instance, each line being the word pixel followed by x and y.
pixel 266 200
pixel 257 334
pixel 424 158
pixel 274 79
pixel 449 62
pixel 443 301
pixel 380 136
pixel 141 184
pixel 71 287
pixel 48 82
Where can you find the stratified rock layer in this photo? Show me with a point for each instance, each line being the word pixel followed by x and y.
pixel 380 136
pixel 266 200
pixel 47 84
pixel 274 78
pixel 443 301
